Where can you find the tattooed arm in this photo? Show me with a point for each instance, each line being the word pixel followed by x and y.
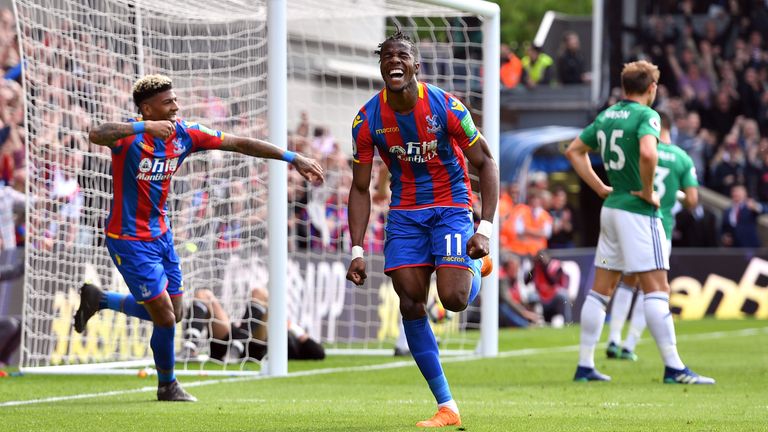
pixel 107 134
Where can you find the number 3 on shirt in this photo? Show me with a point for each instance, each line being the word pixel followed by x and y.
pixel 448 244
pixel 615 165
pixel 658 180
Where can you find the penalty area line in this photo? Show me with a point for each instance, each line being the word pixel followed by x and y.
pixel 366 368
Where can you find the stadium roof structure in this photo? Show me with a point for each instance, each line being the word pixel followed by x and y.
pixel 516 149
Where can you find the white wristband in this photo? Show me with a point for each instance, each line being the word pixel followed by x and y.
pixel 485 228
pixel 357 252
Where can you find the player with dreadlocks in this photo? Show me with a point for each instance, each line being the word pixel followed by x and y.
pixel 145 155
pixel 423 134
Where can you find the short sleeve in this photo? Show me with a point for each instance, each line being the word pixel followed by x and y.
pixel 650 125
pixel 122 143
pixel 204 138
pixel 362 142
pixel 460 124
pixel 589 136
pixel 689 178
pixel 125 141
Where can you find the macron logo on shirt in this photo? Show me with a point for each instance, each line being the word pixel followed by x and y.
pixel 157 169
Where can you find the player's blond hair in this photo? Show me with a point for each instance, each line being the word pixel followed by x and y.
pixel 150 85
pixel 637 76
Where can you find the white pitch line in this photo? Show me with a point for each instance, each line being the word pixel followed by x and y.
pixel 383 366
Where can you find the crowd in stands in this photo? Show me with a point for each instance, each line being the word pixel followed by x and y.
pixel 65 107
pixel 714 72
pixel 537 68
pixel 713 58
pixel 12 152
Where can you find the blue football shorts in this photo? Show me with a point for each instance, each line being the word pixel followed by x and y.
pixel 148 267
pixel 434 237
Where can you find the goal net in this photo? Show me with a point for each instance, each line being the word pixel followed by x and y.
pixel 81 58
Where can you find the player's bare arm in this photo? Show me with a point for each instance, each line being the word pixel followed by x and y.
pixel 649 158
pixel 308 168
pixel 691 199
pixel 577 153
pixel 480 157
pixel 106 134
pixel 359 212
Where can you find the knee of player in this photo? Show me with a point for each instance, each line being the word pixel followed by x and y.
pixel 165 320
pixel 456 301
pixel 653 281
pixel 412 310
pixel 165 317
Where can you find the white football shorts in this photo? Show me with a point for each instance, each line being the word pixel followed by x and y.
pixel 631 242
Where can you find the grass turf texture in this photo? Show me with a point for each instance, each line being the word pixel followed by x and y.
pixel 529 388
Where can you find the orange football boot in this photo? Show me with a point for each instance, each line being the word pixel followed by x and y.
pixel 444 417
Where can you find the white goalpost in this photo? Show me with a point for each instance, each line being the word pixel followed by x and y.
pixel 293 72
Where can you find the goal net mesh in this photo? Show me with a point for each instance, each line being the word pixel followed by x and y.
pixel 81 59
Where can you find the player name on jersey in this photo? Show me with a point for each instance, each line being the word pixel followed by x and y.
pixel 618 115
pixel 667 156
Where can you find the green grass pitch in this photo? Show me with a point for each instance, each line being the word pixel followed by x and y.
pixel 528 388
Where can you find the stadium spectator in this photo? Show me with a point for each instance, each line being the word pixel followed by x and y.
pixel 11 207
pixel 244 340
pixel 322 141
pixel 509 211
pixel 512 311
pixel 67 196
pixel 538 182
pixel 563 222
pixel 655 42
pixel 716 36
pixel 692 83
pixel 720 117
pixel 551 284
pixel 739 226
pixel 758 173
pixel 533 226
pixel 570 64
pixel 511 71
pixel 690 138
pixel 466 38
pixel 302 129
pixel 696 227
pixel 10 338
pixel 229 232
pixel 336 217
pixel 510 193
pixel 729 166
pixel 751 90
pixel 537 67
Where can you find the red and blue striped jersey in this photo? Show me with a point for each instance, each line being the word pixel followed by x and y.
pixel 423 149
pixel 142 167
